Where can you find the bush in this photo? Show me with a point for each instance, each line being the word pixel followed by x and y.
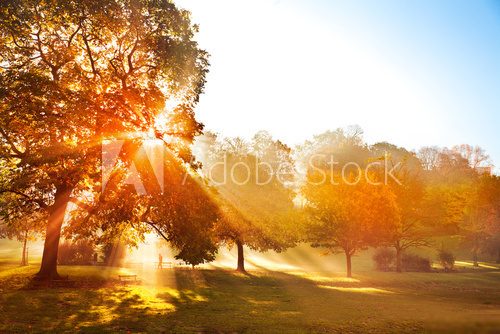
pixel 446 259
pixel 413 262
pixel 75 253
pixel 384 259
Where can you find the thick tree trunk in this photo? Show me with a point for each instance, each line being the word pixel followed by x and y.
pixel 399 259
pixel 48 268
pixel 24 261
pixel 241 257
pixel 348 264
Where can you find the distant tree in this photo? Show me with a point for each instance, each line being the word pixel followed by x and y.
pixel 447 185
pixel 429 157
pixel 475 155
pixel 75 73
pixel 22 224
pixel 339 147
pixel 80 252
pixel 481 214
pixel 250 183
pixel 460 201
pixel 28 230
pixel 492 246
pixel 114 253
pixel 452 168
pixel 408 187
pixel 348 216
pixel 348 211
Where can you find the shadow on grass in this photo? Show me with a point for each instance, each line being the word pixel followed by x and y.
pixel 217 301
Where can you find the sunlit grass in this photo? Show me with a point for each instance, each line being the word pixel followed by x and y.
pixel 353 289
pixel 197 301
pixel 480 264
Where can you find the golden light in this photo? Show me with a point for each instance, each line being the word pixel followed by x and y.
pixel 367 290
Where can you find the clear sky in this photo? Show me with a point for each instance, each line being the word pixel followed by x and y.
pixel 413 73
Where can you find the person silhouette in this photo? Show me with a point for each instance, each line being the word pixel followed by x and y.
pixel 160 261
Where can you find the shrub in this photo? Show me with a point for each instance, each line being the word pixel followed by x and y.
pixel 75 253
pixel 446 259
pixel 413 262
pixel 384 259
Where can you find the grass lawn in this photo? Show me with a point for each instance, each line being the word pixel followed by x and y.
pixel 218 301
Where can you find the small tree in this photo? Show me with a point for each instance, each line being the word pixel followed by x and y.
pixel 114 253
pixel 249 181
pixel 410 230
pixel 348 216
pixel 22 224
pixel 481 214
pixel 76 253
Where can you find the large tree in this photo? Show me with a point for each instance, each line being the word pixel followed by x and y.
pixel 184 214
pixel 75 73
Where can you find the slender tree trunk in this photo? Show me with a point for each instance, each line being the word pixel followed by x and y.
pixel 24 261
pixel 498 255
pixel 475 251
pixel 241 257
pixel 48 268
pixel 399 260
pixel 474 257
pixel 348 263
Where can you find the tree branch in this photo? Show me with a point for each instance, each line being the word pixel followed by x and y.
pixel 29 198
pixel 11 143
pixel 157 230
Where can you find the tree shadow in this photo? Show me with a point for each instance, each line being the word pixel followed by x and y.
pixel 216 301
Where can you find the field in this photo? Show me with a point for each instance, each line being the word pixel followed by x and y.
pixel 222 301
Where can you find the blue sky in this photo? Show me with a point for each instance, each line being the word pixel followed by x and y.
pixel 413 73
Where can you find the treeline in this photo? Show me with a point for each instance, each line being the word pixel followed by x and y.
pixel 339 193
pixel 334 191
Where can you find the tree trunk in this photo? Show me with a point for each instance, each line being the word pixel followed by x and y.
pixel 241 257
pixel 474 258
pixel 399 260
pixel 498 255
pixel 474 251
pixel 48 268
pixel 348 264
pixel 24 261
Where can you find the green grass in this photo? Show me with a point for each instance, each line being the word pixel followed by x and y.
pixel 217 301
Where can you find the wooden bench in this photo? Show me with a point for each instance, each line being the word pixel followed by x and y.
pixel 128 278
